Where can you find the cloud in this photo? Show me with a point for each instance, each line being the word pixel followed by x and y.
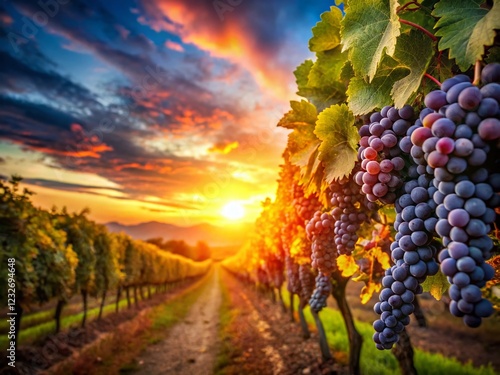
pixel 174 46
pixel 177 126
pixel 257 35
pixel 19 77
pixel 109 192
pixel 224 148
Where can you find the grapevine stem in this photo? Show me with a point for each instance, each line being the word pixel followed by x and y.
pixel 432 79
pixel 477 73
pixel 403 7
pixel 417 26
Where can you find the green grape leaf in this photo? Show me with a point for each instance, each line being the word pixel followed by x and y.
pixel 326 70
pixel 436 285
pixel 324 87
pixel 301 74
pixel 303 146
pixel 420 17
pixel 363 97
pixel 339 138
pixel 465 28
pixel 312 176
pixel 414 51
pixel 367 31
pixel 319 81
pixel 326 33
pixel 302 142
pixel 302 113
pixel 398 77
pixel 493 55
pixel 347 73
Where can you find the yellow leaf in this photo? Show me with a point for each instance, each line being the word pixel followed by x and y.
pixel 436 285
pixel 382 258
pixel 368 290
pixel 347 265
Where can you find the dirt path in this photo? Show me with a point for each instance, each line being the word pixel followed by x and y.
pixel 191 345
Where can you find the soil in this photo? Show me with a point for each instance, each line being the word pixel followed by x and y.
pixel 190 347
pixel 57 348
pixel 266 341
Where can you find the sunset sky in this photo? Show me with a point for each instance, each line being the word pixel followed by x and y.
pixel 146 110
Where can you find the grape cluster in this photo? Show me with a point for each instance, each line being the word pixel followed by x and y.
pixel 306 282
pixel 413 253
pixel 305 206
pixel 379 153
pixel 324 251
pixel 457 141
pixel 350 209
pixel 320 294
pixel 263 277
pixel 274 267
pixel 292 273
pixel 413 250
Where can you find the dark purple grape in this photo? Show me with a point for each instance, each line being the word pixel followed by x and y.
pixel 491 73
pixel 489 129
pixel 470 98
pixel 435 99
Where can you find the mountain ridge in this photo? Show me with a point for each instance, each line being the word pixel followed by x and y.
pixel 229 235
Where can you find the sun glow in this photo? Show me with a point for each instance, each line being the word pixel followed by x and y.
pixel 233 211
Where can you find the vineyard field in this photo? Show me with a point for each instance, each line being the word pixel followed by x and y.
pixel 244 187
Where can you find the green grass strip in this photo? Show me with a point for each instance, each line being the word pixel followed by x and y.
pixel 34 333
pixel 376 362
pixel 227 312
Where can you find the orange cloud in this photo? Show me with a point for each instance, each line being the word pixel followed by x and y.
pixel 174 46
pixel 199 23
pixel 224 149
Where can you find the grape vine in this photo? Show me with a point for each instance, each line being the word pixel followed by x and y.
pixel 377 131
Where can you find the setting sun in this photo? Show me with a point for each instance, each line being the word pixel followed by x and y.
pixel 233 211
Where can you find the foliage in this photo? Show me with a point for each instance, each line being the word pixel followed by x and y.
pixel 59 253
pixel 374 53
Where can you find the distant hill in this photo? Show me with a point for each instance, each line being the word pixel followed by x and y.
pixel 229 235
pixel 223 252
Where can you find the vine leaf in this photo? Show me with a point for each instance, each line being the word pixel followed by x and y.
pixel 367 31
pixel 465 27
pixel 368 290
pixel 339 138
pixel 414 51
pixel 493 55
pixel 319 81
pixel 326 33
pixel 302 113
pixel 302 142
pixel 381 257
pixel 301 74
pixel 324 78
pixel 397 78
pixel 436 285
pixel 364 97
pixel 347 265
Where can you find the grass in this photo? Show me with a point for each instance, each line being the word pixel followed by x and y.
pixel 116 352
pixel 34 333
pixel 226 315
pixel 72 308
pixel 376 362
